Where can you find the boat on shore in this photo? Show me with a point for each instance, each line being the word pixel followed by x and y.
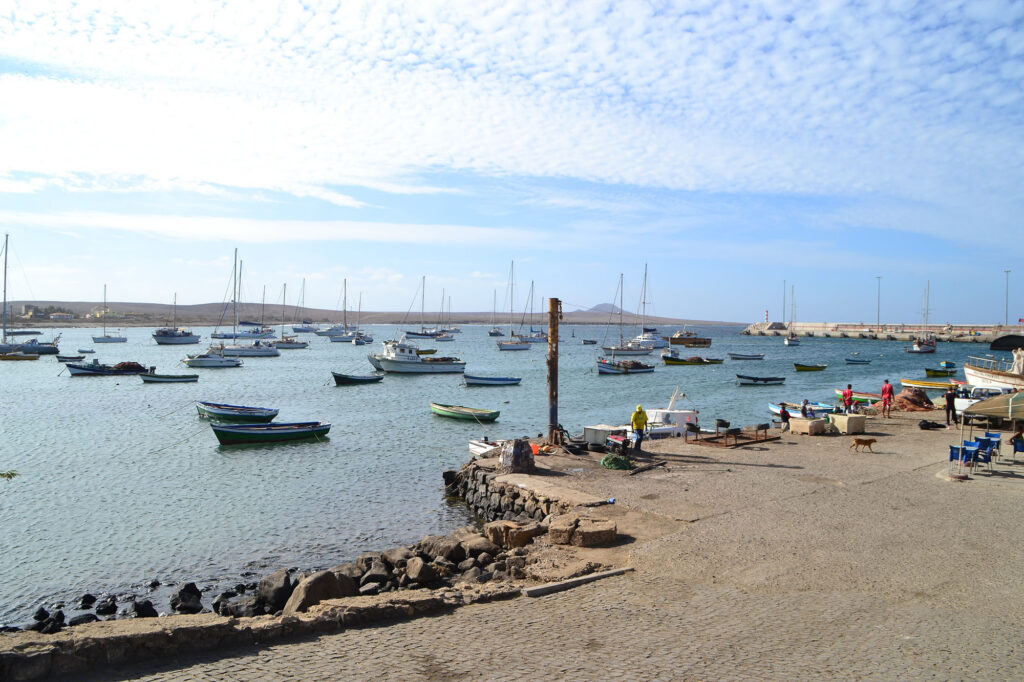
pixel 860 397
pixel 245 434
pixel 341 379
pixel 927 385
pixel 995 373
pixel 747 380
pixel 464 413
pixel 818 409
pixel 800 367
pixel 476 380
pixel 154 378
pixel 224 412
pixel 746 356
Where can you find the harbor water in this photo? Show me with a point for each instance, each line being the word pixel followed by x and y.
pixel 120 482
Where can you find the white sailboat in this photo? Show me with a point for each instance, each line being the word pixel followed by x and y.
pixel 108 338
pixel 214 356
pixel 647 338
pixel 791 339
pixel 288 342
pixel 623 347
pixel 614 366
pixel 495 330
pixel 513 342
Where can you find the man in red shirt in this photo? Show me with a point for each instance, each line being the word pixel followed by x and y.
pixel 886 398
pixel 848 399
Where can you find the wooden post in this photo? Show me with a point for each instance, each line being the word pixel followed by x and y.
pixel 554 315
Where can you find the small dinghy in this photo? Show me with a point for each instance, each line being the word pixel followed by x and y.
pixel 235 413
pixel 462 412
pixel 352 379
pixel 746 356
pixel 244 434
pixel 808 368
pixel 473 380
pixel 154 378
pixel 746 380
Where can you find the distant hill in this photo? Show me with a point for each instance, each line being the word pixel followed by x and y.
pixel 157 314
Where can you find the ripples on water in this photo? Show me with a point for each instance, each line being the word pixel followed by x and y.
pixel 120 482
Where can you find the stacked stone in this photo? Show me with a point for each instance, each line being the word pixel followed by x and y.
pixel 491 500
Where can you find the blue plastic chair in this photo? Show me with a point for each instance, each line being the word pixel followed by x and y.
pixel 956 454
pixel 984 454
pixel 1018 446
pixel 970 448
pixel 997 443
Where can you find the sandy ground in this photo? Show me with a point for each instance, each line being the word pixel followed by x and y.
pixel 793 559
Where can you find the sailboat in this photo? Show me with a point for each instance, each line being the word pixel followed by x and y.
pixel 535 335
pixel 442 330
pixel 495 331
pixel 360 338
pixel 647 337
pixel 307 326
pixel 214 355
pixel 626 347
pixel 288 342
pixel 614 366
pixel 791 338
pixel 259 348
pixel 174 335
pixel 513 342
pixel 423 333
pixel 7 352
pixel 108 338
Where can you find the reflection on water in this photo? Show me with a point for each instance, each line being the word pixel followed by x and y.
pixel 120 482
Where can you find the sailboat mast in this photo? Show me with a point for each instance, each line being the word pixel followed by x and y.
pixel 4 338
pixel 620 309
pixel 423 295
pixel 284 298
pixel 236 274
pixel 511 295
pixel 104 310
pixel 643 302
pixel 344 303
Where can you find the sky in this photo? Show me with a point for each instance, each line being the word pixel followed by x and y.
pixel 750 155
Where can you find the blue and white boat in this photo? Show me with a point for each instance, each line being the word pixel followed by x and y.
pixel 473 380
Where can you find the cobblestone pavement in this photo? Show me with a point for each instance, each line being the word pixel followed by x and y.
pixel 882 570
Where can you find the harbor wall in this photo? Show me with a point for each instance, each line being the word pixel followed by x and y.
pixel 955 333
pixel 494 500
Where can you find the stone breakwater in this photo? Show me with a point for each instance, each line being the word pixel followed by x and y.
pixel 527 518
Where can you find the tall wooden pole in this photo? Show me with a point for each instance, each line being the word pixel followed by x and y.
pixel 554 315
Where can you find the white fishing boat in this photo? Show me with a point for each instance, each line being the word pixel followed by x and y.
pixel 154 378
pixel 401 357
pixel 211 359
pixel 996 373
pixel 105 337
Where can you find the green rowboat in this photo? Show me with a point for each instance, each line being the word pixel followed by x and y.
pixel 240 434
pixel 460 412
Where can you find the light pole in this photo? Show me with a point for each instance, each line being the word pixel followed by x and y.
pixel 1006 312
pixel 878 305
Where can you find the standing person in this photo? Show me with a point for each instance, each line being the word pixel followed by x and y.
pixel 805 410
pixel 848 399
pixel 886 398
pixel 950 398
pixel 638 421
pixel 784 416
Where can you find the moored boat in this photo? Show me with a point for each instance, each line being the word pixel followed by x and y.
pixel 18 355
pixel 242 434
pixel 96 368
pixel 613 366
pixel 235 413
pixel 401 357
pixel 858 361
pixel 941 372
pixel 589 342
pixel 746 356
pixel 689 339
pixel 672 357
pixel 341 379
pixel 475 380
pixel 800 367
pixel 211 359
pixel 70 358
pixel 747 380
pixel 154 378
pixel 465 413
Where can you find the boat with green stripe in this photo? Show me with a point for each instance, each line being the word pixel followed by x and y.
pixel 462 412
pixel 243 434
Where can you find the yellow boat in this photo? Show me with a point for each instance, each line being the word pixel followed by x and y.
pixel 922 383
pixel 18 355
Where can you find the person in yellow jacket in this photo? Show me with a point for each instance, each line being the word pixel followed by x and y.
pixel 639 422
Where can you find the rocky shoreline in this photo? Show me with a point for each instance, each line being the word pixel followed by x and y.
pixel 516 545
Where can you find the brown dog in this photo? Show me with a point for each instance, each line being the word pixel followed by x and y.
pixel 859 443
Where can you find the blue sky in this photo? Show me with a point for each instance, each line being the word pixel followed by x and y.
pixel 728 146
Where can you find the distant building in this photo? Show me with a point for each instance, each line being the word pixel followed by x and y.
pixel 61 316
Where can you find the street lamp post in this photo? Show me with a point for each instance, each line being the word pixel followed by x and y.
pixel 878 305
pixel 1006 312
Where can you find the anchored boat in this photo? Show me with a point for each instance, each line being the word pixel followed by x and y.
pixel 808 368
pixel 746 380
pixel 235 413
pixel 465 413
pixel 351 379
pixel 472 380
pixel 243 434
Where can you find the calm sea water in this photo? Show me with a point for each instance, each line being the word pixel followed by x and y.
pixel 120 482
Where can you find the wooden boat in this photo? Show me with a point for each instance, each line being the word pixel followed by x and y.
pixel 746 380
pixel 462 412
pixel 672 358
pixel 858 361
pixel 18 355
pixel 689 339
pixel 943 372
pixel 235 413
pixel 819 409
pixel 993 372
pixel 808 368
pixel 948 364
pixel 96 368
pixel 154 378
pixel 86 350
pixel 472 380
pixel 927 385
pixel 242 434
pixel 746 356
pixel 350 379
pixel 859 397
pixel 70 358
pixel 589 342
pixel 613 366
pixel 425 351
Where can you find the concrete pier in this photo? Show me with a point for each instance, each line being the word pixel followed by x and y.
pixel 961 333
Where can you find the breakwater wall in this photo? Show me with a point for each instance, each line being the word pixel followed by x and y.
pixel 492 499
pixel 886 332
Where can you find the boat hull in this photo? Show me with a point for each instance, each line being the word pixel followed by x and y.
pixel 492 381
pixel 19 356
pixel 746 380
pixel 242 414
pixel 351 379
pixel 110 339
pixel 808 368
pixel 859 397
pixel 211 361
pixel 246 434
pixel 992 377
pixel 624 367
pixel 149 378
pixel 939 372
pixel 464 413
pixel 746 356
